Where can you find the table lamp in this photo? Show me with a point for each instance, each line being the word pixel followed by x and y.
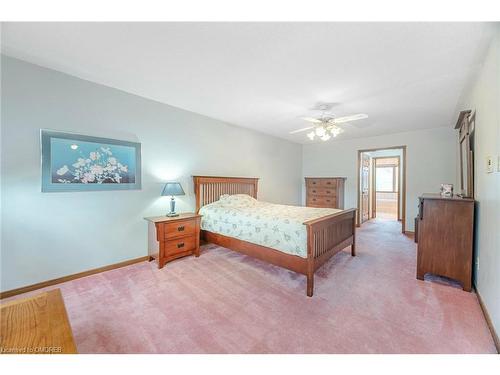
pixel 172 189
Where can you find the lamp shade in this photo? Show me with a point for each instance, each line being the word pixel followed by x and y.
pixel 172 188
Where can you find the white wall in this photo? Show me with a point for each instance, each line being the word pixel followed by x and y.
pixel 430 154
pixel 48 235
pixel 484 100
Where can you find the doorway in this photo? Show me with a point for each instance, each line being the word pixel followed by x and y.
pixel 381 185
pixel 386 193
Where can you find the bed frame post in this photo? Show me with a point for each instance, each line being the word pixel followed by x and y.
pixel 197 192
pixel 310 261
pixel 353 245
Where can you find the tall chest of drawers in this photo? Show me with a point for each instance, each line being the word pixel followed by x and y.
pixel 445 237
pixel 327 192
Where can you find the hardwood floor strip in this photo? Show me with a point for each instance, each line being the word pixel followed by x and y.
pixel 43 284
pixel 36 325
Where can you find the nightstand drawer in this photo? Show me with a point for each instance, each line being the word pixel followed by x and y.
pixel 179 229
pixel 180 245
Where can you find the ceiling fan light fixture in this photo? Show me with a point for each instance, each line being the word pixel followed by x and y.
pixel 326 125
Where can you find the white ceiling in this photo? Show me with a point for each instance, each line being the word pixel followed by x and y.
pixel 265 76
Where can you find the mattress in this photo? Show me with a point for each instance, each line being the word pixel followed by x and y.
pixel 280 227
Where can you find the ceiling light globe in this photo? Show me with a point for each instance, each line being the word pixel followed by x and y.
pixel 311 135
pixel 336 131
pixel 326 137
pixel 320 131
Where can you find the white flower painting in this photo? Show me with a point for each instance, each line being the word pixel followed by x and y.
pixel 75 162
pixel 100 167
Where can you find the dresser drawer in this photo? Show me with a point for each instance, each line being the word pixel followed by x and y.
pixel 321 201
pixel 321 182
pixel 314 182
pixel 180 245
pixel 320 191
pixel 179 229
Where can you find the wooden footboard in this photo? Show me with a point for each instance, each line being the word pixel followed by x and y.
pixel 327 236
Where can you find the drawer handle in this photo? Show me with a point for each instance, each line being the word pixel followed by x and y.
pixel 181 228
pixel 314 191
pixel 180 245
pixel 328 200
pixel 314 199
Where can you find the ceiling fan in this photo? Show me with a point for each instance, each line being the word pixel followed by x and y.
pixel 326 125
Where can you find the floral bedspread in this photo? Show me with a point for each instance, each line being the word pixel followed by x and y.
pixel 272 225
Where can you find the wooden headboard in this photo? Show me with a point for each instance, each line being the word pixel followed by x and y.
pixel 208 189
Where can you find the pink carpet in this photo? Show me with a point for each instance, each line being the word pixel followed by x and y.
pixel 224 302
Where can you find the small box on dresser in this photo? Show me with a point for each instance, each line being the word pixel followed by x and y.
pixel 325 192
pixel 445 227
pixel 170 238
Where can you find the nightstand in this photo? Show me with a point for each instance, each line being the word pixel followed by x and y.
pixel 170 238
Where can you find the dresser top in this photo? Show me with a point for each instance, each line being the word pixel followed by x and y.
pixel 182 216
pixel 325 178
pixel 439 196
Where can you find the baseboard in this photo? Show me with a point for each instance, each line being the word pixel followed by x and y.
pixel 43 284
pixel 488 321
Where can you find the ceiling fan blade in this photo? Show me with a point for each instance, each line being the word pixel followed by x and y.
pixel 312 119
pixel 301 130
pixel 359 116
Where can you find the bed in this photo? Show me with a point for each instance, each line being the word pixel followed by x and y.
pixel 300 239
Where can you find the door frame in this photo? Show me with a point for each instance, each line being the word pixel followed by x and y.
pixel 370 176
pixel 402 187
pixel 374 185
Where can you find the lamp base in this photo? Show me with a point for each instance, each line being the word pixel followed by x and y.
pixel 172 212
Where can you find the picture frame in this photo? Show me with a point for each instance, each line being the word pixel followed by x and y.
pixel 76 162
pixel 446 190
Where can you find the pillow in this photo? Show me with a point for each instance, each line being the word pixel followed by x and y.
pixel 237 200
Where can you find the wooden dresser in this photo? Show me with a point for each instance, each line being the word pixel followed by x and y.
pixel 325 192
pixel 170 238
pixel 445 237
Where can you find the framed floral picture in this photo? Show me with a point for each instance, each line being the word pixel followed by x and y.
pixel 74 162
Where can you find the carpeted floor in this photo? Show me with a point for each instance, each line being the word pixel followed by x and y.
pixel 224 302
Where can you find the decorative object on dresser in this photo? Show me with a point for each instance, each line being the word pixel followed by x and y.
pixel 36 325
pixel 326 235
pixel 325 192
pixel 447 190
pixel 445 237
pixel 172 189
pixel 170 238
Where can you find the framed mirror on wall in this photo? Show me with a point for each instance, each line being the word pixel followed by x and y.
pixel 466 154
